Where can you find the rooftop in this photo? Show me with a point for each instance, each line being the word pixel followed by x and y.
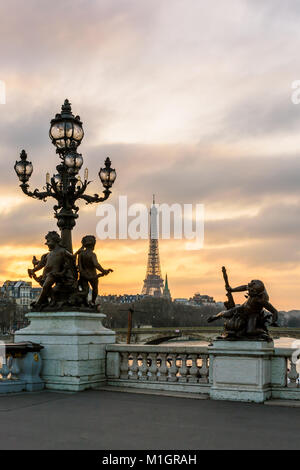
pixel 114 420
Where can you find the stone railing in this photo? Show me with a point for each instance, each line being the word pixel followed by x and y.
pixel 187 369
pixel 20 367
pixel 285 374
pixel 173 368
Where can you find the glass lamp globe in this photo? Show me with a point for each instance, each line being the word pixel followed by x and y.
pixel 66 130
pixel 107 175
pixel 23 168
pixel 73 161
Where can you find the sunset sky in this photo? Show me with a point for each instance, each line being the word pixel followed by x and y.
pixel 191 101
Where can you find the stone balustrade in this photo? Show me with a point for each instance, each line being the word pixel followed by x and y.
pixel 188 369
pixel 174 368
pixel 79 353
pixel 285 374
pixel 20 367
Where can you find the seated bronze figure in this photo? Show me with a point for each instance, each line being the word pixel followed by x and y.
pixel 248 321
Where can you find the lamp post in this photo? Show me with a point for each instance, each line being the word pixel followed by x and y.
pixel 66 186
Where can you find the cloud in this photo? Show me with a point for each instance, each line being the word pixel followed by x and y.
pixel 194 174
pixel 193 104
pixel 278 222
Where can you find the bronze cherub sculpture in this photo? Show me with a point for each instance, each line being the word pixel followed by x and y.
pixel 88 265
pixel 61 287
pixel 247 321
pixel 59 274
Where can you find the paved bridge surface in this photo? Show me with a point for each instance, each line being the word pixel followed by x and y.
pixel 202 333
pixel 95 420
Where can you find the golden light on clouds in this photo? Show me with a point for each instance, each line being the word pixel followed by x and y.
pixel 192 104
pixel 9 203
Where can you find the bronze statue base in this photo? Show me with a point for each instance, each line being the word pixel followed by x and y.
pixel 64 308
pixel 228 337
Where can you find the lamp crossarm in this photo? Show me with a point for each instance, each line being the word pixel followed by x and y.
pixel 95 198
pixel 37 194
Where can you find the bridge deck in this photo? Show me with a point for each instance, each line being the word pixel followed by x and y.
pixel 112 420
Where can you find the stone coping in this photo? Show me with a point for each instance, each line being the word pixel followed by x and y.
pixel 63 324
pixel 22 347
pixel 281 352
pixel 156 348
pixel 65 315
pixel 286 352
pixel 241 347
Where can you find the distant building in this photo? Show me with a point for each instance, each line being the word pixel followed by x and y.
pixel 199 299
pixel 21 292
pixel 121 299
pixel 166 291
pixel 181 301
pixel 15 300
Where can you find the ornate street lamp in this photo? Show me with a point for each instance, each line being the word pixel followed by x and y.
pixel 66 133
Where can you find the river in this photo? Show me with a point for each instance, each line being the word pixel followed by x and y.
pixel 283 342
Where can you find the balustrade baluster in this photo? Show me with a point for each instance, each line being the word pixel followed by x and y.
pixel 134 367
pixel 183 370
pixel 15 369
pixel 163 369
pixel 143 368
pixel 2 361
pixel 293 375
pixel 173 369
pixel 5 369
pixel 153 368
pixel 193 372
pixel 204 369
pixel 124 365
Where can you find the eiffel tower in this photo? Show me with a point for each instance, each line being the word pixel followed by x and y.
pixel 153 284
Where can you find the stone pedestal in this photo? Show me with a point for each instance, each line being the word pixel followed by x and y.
pixel 241 370
pixel 74 348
